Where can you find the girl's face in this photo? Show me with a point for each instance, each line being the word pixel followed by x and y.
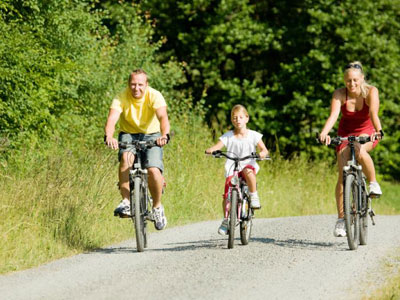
pixel 239 120
pixel 353 80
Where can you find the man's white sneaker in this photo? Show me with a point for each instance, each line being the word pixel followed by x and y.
pixel 223 228
pixel 123 210
pixel 254 201
pixel 374 188
pixel 340 230
pixel 160 220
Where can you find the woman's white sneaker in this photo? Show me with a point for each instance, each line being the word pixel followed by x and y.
pixel 374 188
pixel 340 230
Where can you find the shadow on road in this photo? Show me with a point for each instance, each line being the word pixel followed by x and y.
pixel 222 244
pixel 300 244
pixel 175 247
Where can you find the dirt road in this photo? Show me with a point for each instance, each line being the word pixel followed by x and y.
pixel 287 258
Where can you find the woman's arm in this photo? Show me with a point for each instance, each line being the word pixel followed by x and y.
pixel 373 103
pixel 336 103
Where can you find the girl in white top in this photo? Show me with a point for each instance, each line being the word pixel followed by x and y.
pixel 241 142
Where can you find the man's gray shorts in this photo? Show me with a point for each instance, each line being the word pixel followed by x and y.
pixel 153 156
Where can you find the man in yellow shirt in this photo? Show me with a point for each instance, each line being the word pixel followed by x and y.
pixel 142 113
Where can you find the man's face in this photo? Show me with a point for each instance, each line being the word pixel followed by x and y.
pixel 138 85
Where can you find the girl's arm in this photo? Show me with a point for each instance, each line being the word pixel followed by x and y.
pixel 336 103
pixel 263 149
pixel 218 146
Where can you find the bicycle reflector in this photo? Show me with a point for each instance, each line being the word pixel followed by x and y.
pixel 235 180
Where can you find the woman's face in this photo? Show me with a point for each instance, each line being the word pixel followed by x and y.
pixel 353 80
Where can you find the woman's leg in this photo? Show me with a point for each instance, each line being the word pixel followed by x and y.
pixel 342 157
pixel 366 161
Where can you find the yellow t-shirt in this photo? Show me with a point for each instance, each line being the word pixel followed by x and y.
pixel 139 115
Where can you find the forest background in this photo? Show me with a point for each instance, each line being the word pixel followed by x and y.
pixel 63 61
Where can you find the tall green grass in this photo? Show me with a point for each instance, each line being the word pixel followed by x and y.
pixel 59 201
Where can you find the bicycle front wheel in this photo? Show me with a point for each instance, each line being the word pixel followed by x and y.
pixel 351 215
pixel 232 218
pixel 246 224
pixel 364 219
pixel 139 215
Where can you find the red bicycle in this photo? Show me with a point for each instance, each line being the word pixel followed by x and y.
pixel 238 200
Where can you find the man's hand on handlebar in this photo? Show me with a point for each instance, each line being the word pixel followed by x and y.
pixel 163 140
pixel 111 142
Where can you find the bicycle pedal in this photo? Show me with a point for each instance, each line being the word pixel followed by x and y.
pixel 122 216
pixel 374 196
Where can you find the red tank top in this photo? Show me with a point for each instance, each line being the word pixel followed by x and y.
pixel 355 122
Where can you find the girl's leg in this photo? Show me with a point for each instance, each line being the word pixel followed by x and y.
pixel 250 178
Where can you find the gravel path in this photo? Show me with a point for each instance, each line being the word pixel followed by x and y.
pixel 287 258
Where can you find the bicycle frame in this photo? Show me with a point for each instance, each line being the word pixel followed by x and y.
pixel 236 183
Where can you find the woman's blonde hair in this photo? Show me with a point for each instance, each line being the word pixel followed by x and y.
pixel 239 108
pixel 364 86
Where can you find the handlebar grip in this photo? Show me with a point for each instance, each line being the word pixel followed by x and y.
pixel 216 152
pixel 317 138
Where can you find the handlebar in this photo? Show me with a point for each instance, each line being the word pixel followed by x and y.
pixel 138 144
pixel 219 154
pixel 336 141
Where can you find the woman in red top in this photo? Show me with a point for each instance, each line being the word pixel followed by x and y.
pixel 359 104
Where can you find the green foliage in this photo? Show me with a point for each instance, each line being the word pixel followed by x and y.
pixel 283 60
pixel 63 61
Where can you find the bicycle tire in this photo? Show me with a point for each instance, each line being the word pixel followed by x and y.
pixel 232 218
pixel 246 224
pixel 144 210
pixel 351 215
pixel 364 219
pixel 139 214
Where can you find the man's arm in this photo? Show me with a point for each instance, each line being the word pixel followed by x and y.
pixel 162 116
pixel 109 128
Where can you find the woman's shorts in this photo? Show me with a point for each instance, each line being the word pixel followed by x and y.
pixel 153 157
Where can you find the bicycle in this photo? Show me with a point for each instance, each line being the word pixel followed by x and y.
pixel 356 198
pixel 238 201
pixel 139 196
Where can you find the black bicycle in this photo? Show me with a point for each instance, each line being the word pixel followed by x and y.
pixel 356 198
pixel 238 200
pixel 140 198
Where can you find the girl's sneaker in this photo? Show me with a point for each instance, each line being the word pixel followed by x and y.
pixel 254 201
pixel 223 229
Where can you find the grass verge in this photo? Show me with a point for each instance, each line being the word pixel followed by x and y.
pixel 59 202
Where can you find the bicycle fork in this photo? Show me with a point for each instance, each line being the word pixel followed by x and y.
pixel 228 203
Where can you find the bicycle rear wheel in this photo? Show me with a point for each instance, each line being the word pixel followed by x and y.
pixel 232 218
pixel 246 224
pixel 139 214
pixel 351 215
